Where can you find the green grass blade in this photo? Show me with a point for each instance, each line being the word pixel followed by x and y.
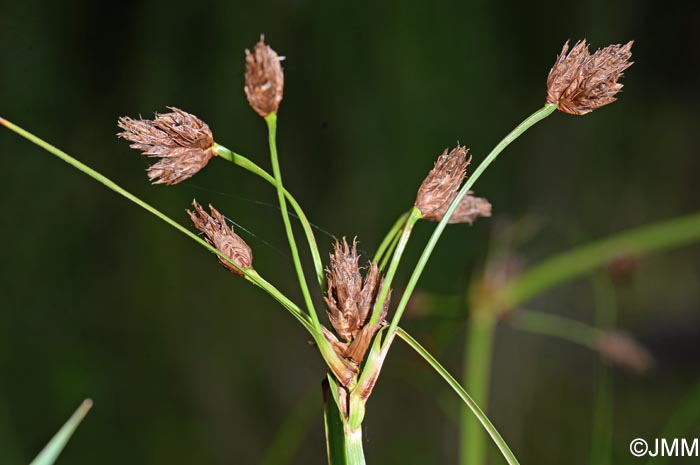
pixel 271 120
pixel 335 435
pixel 478 358
pixel 390 238
pixel 249 274
pixel 50 453
pixel 454 384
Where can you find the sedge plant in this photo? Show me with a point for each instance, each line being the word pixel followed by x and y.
pixel 359 326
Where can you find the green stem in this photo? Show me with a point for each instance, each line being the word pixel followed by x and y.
pixel 354 453
pixel 603 410
pixel 425 256
pixel 343 435
pixel 271 120
pixel 247 164
pixel 557 326
pixel 457 388
pixel 390 237
pixel 390 253
pixel 116 188
pixel 327 352
pixel 477 373
pixel 251 275
pixel 413 216
pixel 581 260
pixel 293 308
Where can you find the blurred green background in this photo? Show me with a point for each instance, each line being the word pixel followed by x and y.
pixel 187 364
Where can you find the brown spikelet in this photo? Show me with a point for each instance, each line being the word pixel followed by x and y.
pixel 344 289
pixel 350 300
pixel 469 209
pixel 579 82
pixel 182 141
pixel 220 236
pixel 264 79
pixel 567 69
pixel 623 350
pixel 343 370
pixel 440 187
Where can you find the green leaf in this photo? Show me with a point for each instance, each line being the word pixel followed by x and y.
pixel 335 435
pixel 50 453
pixel 454 384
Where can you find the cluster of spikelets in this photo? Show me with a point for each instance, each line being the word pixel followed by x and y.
pixel 578 83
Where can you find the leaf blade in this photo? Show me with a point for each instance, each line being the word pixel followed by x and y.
pixel 53 449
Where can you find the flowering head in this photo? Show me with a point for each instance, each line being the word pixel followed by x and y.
pixel 264 79
pixel 220 236
pixel 182 141
pixel 579 82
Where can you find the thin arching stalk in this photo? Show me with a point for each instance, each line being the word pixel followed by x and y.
pixel 251 275
pixel 247 164
pixel 432 242
pixel 413 216
pixel 271 120
pixel 390 238
pixel 459 390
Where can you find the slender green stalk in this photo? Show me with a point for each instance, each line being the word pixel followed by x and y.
pixel 251 275
pixel 327 352
pixel 603 410
pixel 52 450
pixel 247 164
pixel 343 438
pixel 432 242
pixel 293 308
pixel 390 237
pixel 110 184
pixel 481 330
pixel 581 260
pixel 389 253
pixel 413 216
pixel 477 374
pixel 116 188
pixel 354 453
pixel 603 413
pixel 271 120
pixel 255 278
pixel 459 390
pixel 558 326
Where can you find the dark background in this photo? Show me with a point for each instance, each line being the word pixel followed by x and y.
pixel 187 364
